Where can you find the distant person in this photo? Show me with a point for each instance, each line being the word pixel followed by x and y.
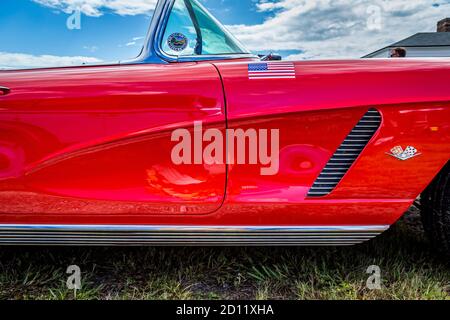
pixel 398 53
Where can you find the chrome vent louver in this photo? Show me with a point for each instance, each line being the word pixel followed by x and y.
pixel 346 155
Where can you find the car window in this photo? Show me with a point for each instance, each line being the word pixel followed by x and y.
pixel 215 38
pixel 192 30
pixel 180 36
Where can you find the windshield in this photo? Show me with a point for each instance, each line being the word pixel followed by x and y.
pixel 192 30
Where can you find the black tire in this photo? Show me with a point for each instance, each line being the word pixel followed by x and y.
pixel 435 211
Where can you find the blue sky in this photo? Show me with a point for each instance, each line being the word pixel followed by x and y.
pixel 33 28
pixel 28 27
pixel 34 32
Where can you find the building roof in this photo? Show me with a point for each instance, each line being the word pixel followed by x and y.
pixel 423 39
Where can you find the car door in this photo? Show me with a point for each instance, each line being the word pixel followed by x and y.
pixel 85 142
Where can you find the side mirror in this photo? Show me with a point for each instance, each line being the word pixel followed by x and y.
pixel 271 57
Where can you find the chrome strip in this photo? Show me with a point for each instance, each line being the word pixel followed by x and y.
pixel 13 234
pixel 191 228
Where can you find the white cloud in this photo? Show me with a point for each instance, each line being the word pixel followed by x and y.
pixel 21 61
pixel 95 8
pixel 134 42
pixel 338 28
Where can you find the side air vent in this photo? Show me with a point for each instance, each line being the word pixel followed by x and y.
pixel 346 155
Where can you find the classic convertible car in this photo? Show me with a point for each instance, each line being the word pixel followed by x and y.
pixel 199 142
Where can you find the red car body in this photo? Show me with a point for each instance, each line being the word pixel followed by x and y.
pixel 90 148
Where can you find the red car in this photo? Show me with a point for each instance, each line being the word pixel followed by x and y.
pixel 199 142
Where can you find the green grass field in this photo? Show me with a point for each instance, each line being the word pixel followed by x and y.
pixel 410 269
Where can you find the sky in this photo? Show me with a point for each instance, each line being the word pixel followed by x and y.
pixel 36 33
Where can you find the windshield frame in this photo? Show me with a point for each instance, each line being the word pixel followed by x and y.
pixel 153 53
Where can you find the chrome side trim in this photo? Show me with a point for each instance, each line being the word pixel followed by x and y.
pixel 108 235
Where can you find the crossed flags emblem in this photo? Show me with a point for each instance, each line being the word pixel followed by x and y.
pixel 408 153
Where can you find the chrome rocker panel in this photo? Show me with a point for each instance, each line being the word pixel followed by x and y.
pixel 121 235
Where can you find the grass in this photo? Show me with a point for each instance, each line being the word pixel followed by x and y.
pixel 410 269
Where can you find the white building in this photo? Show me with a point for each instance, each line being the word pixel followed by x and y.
pixel 428 44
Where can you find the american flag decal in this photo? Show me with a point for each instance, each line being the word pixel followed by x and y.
pixel 271 70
